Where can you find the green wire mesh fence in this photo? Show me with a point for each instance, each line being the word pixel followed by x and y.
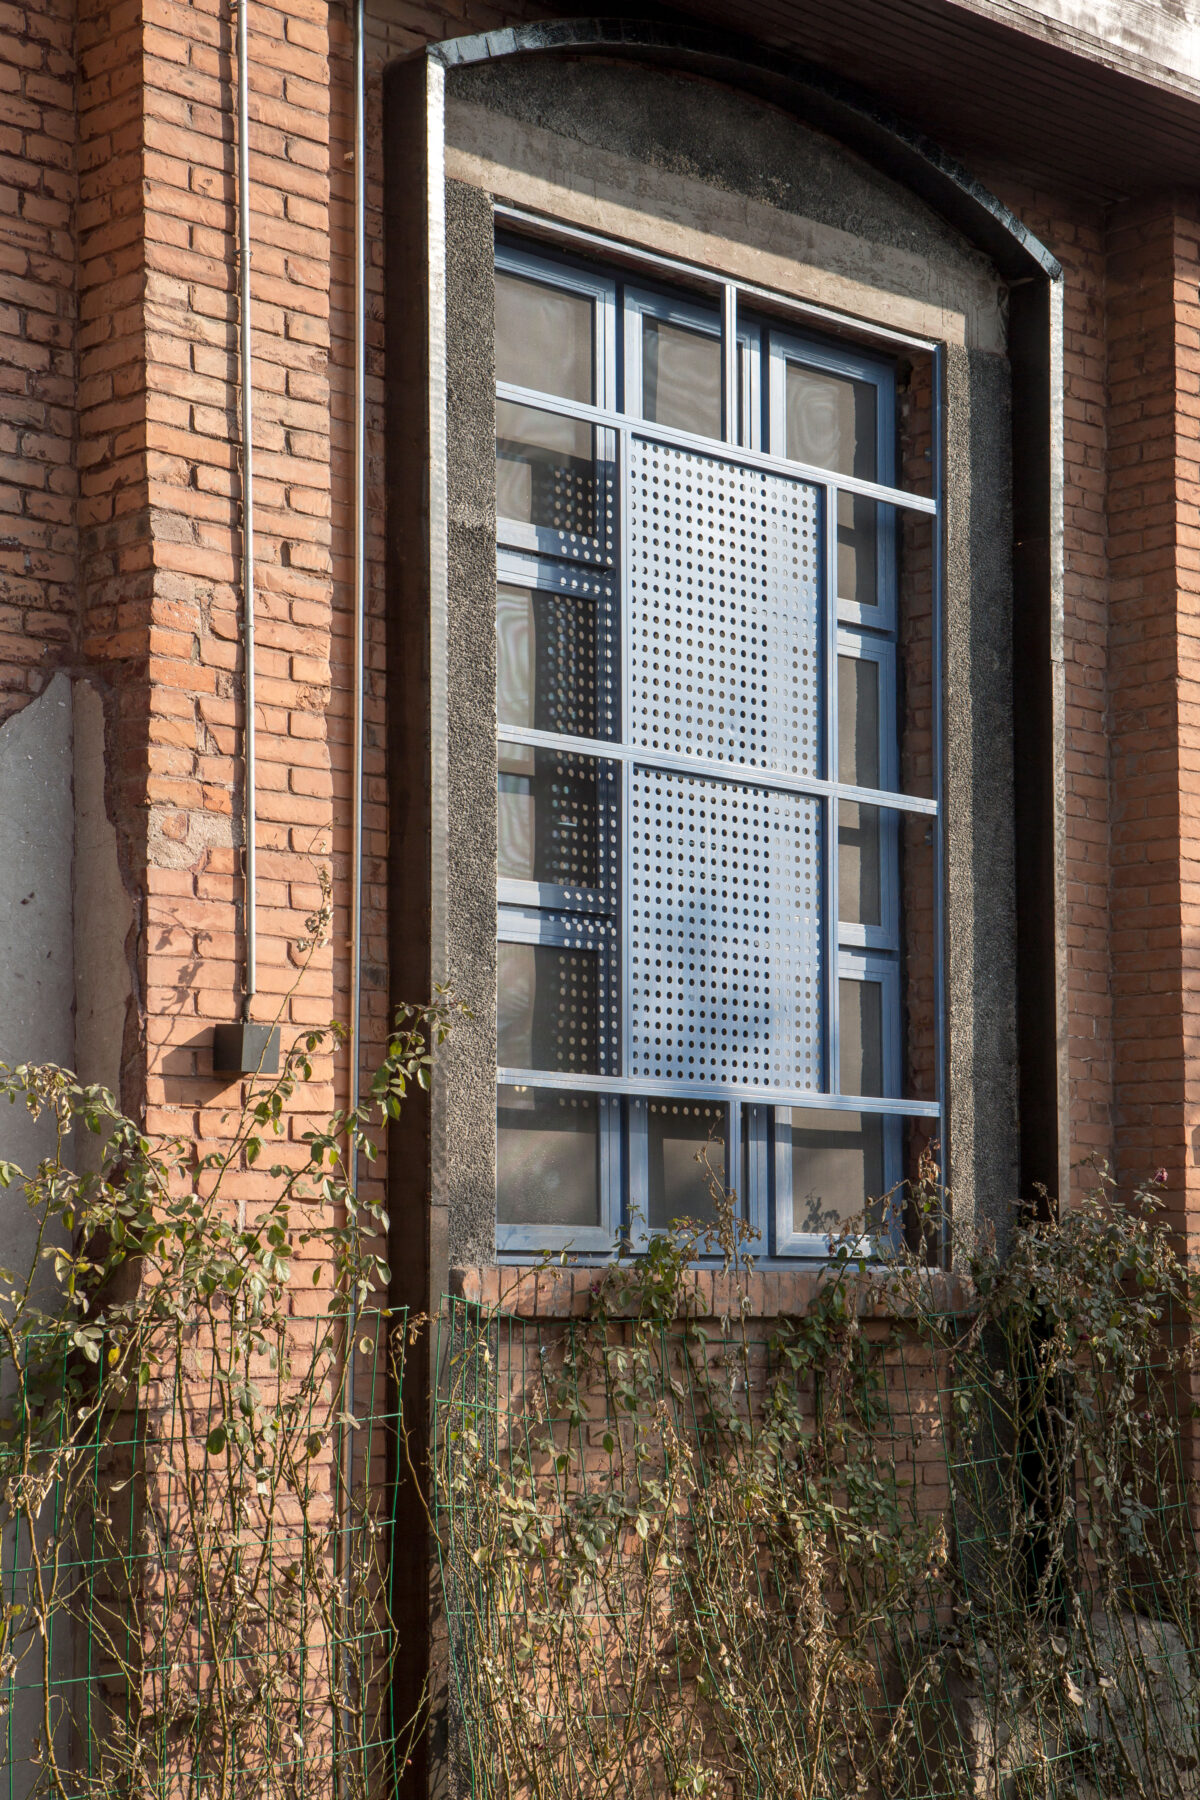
pixel 194 1560
pixel 879 1550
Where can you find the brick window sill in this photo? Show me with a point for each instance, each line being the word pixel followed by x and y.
pixel 530 1291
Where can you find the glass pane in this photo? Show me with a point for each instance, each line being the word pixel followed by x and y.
pixel 545 469
pixel 547 1157
pixel 831 421
pixel 549 817
pixel 861 1036
pixel 918 973
pixel 859 851
pixel 547 1008
pixel 545 338
pixel 837 1165
pixel 860 865
pixel 678 1132
pixel 858 721
pixel 681 378
pixel 546 661
pixel 859 522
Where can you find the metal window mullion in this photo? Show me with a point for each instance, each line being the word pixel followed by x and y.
pixel 939 915
pixel 624 925
pixel 833 899
pixel 632 345
pixel 730 352
pixel 632 1165
pixel 611 1108
pixel 733 1153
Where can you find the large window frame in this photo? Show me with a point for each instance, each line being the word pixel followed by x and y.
pixel 752 415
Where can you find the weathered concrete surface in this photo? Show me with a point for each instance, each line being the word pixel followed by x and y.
pixel 64 915
pixel 37 975
pixel 36 1018
pixel 714 177
pixel 468 1090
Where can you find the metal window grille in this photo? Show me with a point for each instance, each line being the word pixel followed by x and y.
pixel 694 560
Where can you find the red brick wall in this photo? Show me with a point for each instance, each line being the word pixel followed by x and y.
pixel 1145 764
pixel 37 344
pixel 1076 232
pixel 118 201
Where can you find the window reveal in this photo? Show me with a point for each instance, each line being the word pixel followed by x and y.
pixel 717 914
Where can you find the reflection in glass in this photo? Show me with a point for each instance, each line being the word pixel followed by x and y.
pixel 547 1008
pixel 548 817
pixel 545 338
pixel 678 1132
pixel 545 469
pixel 831 421
pixel 918 964
pixel 858 721
pixel 860 1037
pixel 860 895
pixel 860 900
pixel 858 526
pixel 681 378
pixel 836 1163
pixel 547 1158
pixel 546 661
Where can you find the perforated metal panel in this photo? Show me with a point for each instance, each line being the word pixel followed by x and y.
pixel 725 932
pixel 724 586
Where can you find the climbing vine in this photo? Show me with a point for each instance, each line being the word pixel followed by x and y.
pixel 926 1538
pixel 193 1520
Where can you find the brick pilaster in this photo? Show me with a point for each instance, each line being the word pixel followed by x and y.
pixel 1153 489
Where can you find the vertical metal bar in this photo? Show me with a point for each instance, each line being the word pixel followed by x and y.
pixel 360 551
pixel 832 900
pixel 625 734
pixel 246 372
pixel 346 1435
pixel 729 364
pixel 939 933
pixel 734 1123
pixel 633 1112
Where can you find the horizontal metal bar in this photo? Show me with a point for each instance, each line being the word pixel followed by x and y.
pixel 605 420
pixel 648 1087
pixel 713 769
pixel 829 316
pixel 540 895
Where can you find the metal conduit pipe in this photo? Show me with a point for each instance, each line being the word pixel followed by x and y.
pixel 245 1048
pixel 247 427
pixel 345 1446
pixel 360 562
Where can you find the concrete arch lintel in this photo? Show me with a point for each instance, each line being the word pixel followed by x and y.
pixel 818 98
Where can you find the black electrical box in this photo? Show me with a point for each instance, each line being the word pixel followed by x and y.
pixel 246 1049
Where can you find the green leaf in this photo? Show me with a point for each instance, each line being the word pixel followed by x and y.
pixel 216 1440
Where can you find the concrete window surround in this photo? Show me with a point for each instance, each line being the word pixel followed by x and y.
pixel 701 172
